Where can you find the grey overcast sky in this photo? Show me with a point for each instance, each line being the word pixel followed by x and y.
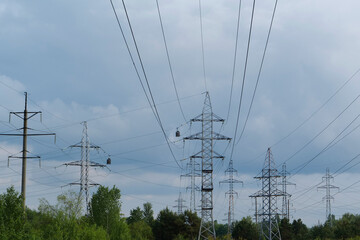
pixel 71 59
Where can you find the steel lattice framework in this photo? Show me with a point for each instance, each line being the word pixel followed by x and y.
pixel 269 194
pixel 328 196
pixel 231 181
pixel 180 204
pixel 193 166
pixel 207 137
pixel 285 211
pixel 85 164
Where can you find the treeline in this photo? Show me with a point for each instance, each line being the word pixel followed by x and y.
pixel 65 221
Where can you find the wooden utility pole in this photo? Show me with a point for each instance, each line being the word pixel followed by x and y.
pixel 25 116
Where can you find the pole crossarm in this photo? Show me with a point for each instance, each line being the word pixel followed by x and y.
pixel 214 136
pixel 25 116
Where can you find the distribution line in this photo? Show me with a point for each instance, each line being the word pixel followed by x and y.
pixel 243 80
pixel 168 58
pixel 235 56
pixel 259 73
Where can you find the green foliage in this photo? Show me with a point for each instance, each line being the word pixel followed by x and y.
pixel 245 229
pixel 105 208
pixel 168 225
pixel 65 221
pixel 148 213
pixel 12 217
pixel 299 229
pixel 220 229
pixel 140 230
pixel 136 215
pixel 285 228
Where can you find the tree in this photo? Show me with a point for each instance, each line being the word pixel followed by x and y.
pixel 191 224
pixel 105 207
pixel 12 217
pixel 148 213
pixel 167 225
pixel 140 230
pixel 245 229
pixel 136 215
pixel 285 228
pixel 300 231
pixel 64 221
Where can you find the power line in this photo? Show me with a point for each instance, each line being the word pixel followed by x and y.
pixel 235 56
pixel 312 114
pixel 260 70
pixel 326 127
pixel 326 147
pixel 168 58
pixel 153 105
pixel 243 80
pixel 318 109
pixel 202 45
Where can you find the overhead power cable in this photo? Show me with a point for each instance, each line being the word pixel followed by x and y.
pixel 319 133
pixel 152 101
pixel 260 70
pixel 311 115
pixel 243 79
pixel 202 45
pixel 168 58
pixel 325 148
pixel 318 109
pixel 235 56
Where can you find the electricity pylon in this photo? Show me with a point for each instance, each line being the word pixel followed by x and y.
pixel 180 204
pixel 207 137
pixel 328 196
pixel 85 164
pixel 285 211
pixel 231 181
pixel 269 194
pixel 193 166
pixel 25 116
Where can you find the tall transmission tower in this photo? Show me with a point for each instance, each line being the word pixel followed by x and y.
pixel 207 154
pixel 231 181
pixel 25 116
pixel 328 196
pixel 180 204
pixel 194 169
pixel 85 164
pixel 285 211
pixel 269 194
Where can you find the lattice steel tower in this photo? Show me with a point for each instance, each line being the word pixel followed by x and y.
pixel 231 181
pixel 285 211
pixel 328 196
pixel 269 194
pixel 85 164
pixel 207 137
pixel 193 173
pixel 180 204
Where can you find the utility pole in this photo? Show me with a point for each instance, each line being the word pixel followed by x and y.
pixel 231 181
pixel 85 164
pixel 180 204
pixel 193 166
pixel 286 198
pixel 328 196
pixel 25 116
pixel 269 194
pixel 207 154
